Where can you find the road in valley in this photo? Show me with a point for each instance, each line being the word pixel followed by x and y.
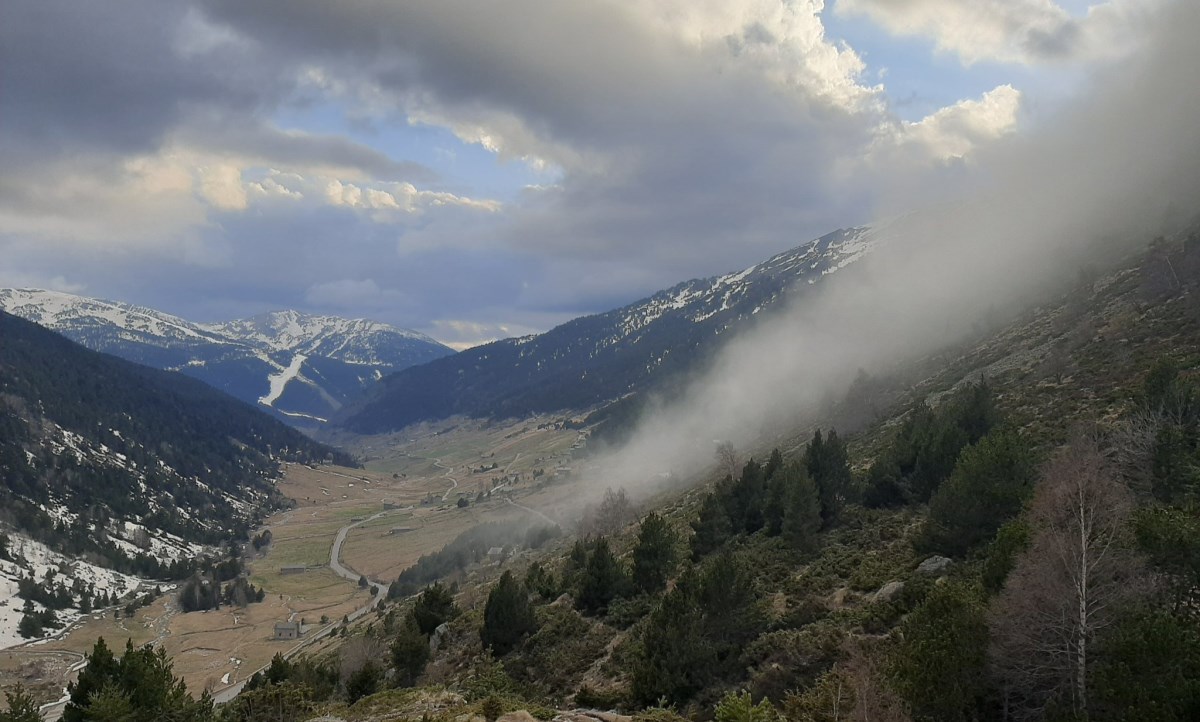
pixel 335 563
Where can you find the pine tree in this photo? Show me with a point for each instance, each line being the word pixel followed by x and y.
pixel 410 652
pixel 940 664
pixel 801 508
pixel 364 681
pixel 21 706
pixel 726 596
pixel 711 528
pixel 603 580
pixel 674 661
pixel 507 617
pixel 101 668
pixel 987 487
pixel 746 498
pixel 828 465
pixel 654 557
pixel 434 607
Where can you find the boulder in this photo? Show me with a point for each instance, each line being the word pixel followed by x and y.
pixel 935 565
pixel 887 592
pixel 518 716
pixel 435 639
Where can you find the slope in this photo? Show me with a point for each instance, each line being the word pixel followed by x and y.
pixel 102 457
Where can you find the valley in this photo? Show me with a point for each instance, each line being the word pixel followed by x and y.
pixel 375 521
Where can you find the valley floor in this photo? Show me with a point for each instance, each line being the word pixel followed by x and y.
pixel 402 505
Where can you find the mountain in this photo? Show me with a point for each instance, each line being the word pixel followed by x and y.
pixel 126 465
pixel 600 358
pixel 301 367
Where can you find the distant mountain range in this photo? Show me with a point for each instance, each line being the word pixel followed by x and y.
pixel 301 367
pixel 597 359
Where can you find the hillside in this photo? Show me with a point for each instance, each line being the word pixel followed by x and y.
pixel 128 465
pixel 903 573
pixel 600 358
pixel 297 366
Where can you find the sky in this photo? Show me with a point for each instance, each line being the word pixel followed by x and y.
pixel 480 170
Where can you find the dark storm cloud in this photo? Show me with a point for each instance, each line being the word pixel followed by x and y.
pixel 120 78
pixel 677 158
pixel 107 76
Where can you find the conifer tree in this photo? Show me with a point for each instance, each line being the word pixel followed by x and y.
pixel 745 499
pixel 801 508
pixel 433 607
pixel 409 652
pixel 828 465
pixel 603 580
pixel 987 487
pixel 654 557
pixel 711 528
pixel 507 618
pixel 21 706
pixel 674 661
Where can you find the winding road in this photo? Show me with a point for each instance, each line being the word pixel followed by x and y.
pixel 453 482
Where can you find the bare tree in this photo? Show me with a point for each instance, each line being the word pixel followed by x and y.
pixel 613 513
pixel 1133 444
pixel 359 650
pixel 1067 586
pixel 727 458
pixel 874 700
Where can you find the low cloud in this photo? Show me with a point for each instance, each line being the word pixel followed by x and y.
pixel 1095 184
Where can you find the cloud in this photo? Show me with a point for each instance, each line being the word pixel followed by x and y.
pixel 460 335
pixel 244 154
pixel 404 197
pixel 953 132
pixel 1012 31
pixel 221 185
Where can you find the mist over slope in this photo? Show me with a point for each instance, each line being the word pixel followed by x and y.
pixel 1115 168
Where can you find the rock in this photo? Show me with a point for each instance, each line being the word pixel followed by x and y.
pixel 935 565
pixel 564 600
pixel 435 639
pixel 518 716
pixel 887 592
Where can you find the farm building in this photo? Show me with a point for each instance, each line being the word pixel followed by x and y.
pixel 287 630
pixel 293 569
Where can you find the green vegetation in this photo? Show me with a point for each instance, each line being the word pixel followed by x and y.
pixel 508 617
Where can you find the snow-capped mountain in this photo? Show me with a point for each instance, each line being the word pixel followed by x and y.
pixel 595 359
pixel 302 367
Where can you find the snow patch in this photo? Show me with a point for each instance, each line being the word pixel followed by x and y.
pixel 280 380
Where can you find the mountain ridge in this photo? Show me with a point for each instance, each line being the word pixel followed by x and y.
pixel 597 359
pixel 247 358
